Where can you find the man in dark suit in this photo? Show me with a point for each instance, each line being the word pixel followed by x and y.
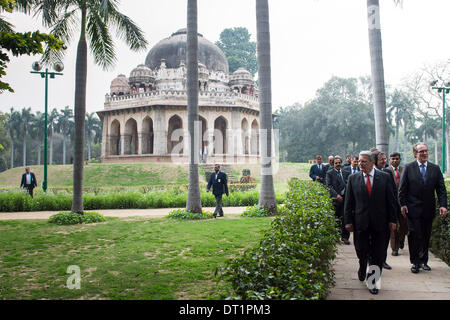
pixel 353 168
pixel 419 181
pixel 317 171
pixel 398 236
pixel 336 181
pixel 348 161
pixel 28 181
pixel 218 181
pixel 369 212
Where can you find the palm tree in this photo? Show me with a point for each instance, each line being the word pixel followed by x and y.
pixel 52 118
pixel 25 121
pixel 65 122
pixel 37 132
pixel 13 130
pixel 267 195
pixel 193 203
pixel 92 130
pixel 401 109
pixel 97 16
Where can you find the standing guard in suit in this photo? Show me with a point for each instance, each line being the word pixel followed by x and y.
pixel 336 181
pixel 398 236
pixel 369 212
pixel 418 182
pixel 317 171
pixel 353 168
pixel 28 181
pixel 218 181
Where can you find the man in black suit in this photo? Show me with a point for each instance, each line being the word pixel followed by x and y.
pixel 317 171
pixel 218 181
pixel 353 167
pixel 369 212
pixel 28 181
pixel 348 161
pixel 418 182
pixel 336 181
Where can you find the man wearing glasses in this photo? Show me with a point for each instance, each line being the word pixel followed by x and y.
pixel 418 182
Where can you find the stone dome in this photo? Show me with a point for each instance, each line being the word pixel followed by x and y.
pixel 141 74
pixel 241 77
pixel 173 50
pixel 120 85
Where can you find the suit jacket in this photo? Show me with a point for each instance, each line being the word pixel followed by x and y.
pixel 376 210
pixel 24 180
pixel 349 169
pixel 314 171
pixel 418 195
pixel 400 171
pixel 335 185
pixel 219 185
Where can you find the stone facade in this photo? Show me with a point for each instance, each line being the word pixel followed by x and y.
pixel 145 115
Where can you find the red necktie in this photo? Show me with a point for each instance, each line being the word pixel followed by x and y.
pixel 397 176
pixel 368 185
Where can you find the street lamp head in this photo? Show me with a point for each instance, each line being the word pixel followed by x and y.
pixel 447 84
pixel 58 66
pixel 36 66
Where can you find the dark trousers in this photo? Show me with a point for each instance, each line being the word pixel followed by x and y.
pixel 419 239
pixel 370 246
pixel 339 214
pixel 29 188
pixel 218 209
pixel 400 233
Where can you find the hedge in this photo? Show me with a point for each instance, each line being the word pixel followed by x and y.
pixel 294 258
pixel 440 236
pixel 14 201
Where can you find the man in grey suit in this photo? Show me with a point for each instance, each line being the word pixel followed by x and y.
pixel 369 212
pixel 418 183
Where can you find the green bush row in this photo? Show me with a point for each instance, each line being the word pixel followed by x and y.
pixel 294 258
pixel 66 218
pixel 20 200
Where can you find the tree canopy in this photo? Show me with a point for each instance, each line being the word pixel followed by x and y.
pixel 239 50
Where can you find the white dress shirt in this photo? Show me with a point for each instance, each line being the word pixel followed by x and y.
pixel 371 173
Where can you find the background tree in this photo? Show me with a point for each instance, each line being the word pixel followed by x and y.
pixel 13 131
pixel 239 50
pixel 64 125
pixel 5 141
pixel 97 17
pixel 25 122
pixel 51 120
pixel 93 130
pixel 37 132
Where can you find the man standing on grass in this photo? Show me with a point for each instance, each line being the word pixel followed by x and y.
pixel 28 181
pixel 218 181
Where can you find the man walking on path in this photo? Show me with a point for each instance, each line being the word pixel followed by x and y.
pixel 369 212
pixel 419 181
pixel 28 181
pixel 218 181
pixel 317 171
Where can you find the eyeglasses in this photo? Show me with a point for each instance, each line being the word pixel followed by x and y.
pixel 422 151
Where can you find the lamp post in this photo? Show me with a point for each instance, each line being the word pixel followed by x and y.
pixel 45 74
pixel 444 89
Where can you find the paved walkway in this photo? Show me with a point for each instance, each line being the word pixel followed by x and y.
pixel 396 284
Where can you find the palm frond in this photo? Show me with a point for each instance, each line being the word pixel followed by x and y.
pixel 100 42
pixel 5 25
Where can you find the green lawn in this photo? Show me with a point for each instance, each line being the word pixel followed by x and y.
pixel 130 258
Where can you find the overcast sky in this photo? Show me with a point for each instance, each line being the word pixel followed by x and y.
pixel 311 40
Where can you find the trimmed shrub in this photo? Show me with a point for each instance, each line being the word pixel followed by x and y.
pixel 182 214
pixel 440 238
pixel 294 258
pixel 66 218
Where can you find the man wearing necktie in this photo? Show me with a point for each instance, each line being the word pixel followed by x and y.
pixel 353 167
pixel 418 183
pixel 398 236
pixel 336 181
pixel 369 212
pixel 218 181
pixel 317 171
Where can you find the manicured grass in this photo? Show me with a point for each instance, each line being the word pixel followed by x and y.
pixel 131 258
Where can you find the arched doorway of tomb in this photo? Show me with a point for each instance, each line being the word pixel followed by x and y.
pixel 220 136
pixel 131 137
pixel 254 138
pixel 175 135
pixel 147 136
pixel 245 136
pixel 114 138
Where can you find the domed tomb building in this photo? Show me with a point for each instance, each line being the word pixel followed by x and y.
pixel 145 115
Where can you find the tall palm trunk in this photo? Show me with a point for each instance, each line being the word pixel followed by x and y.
pixel 267 195
pixel 376 61
pixel 193 203
pixel 39 153
pixel 64 150
pixel 79 115
pixel 12 149
pixel 24 149
pixel 51 147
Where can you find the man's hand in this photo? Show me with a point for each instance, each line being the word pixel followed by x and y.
pixel 443 212
pixel 339 198
pixel 404 211
pixel 228 195
pixel 392 226
pixel 349 227
pixel 207 190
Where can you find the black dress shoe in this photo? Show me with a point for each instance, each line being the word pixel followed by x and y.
pixel 415 268
pixel 214 215
pixel 395 253
pixel 402 244
pixel 362 274
pixel 373 291
pixel 386 266
pixel 425 267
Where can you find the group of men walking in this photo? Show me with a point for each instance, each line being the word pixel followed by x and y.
pixel 383 204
